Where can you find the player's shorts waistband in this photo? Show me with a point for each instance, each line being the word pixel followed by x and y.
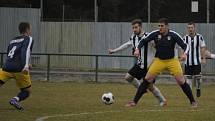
pixel 166 59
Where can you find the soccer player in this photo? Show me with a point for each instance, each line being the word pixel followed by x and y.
pixel 139 70
pixel 17 64
pixel 193 62
pixel 165 59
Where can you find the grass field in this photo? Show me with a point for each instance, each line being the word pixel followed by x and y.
pixel 69 101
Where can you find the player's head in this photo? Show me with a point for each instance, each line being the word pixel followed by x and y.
pixel 163 25
pixel 25 28
pixel 191 28
pixel 137 26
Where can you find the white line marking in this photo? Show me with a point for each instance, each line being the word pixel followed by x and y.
pixel 117 111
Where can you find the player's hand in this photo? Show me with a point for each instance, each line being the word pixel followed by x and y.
pixel 110 51
pixel 183 57
pixel 30 67
pixel 137 53
pixel 25 69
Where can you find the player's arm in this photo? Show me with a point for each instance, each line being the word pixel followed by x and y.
pixel 25 52
pixel 203 49
pixel 151 36
pixel 122 47
pixel 179 40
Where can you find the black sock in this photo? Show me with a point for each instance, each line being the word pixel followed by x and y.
pixel 187 90
pixel 141 90
pixel 23 95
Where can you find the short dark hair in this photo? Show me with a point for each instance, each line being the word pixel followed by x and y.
pixel 191 23
pixel 136 21
pixel 23 26
pixel 163 20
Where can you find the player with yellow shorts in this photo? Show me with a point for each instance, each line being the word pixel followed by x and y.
pixel 165 59
pixel 17 64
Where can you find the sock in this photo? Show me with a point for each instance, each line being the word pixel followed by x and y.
pixel 136 82
pixel 156 92
pixel 141 90
pixel 198 83
pixel 189 81
pixel 187 90
pixel 213 56
pixel 22 95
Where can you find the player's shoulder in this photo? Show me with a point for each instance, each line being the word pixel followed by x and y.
pixel 174 33
pixel 186 36
pixel 17 39
pixel 197 34
pixel 155 31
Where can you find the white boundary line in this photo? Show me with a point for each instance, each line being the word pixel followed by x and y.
pixel 102 112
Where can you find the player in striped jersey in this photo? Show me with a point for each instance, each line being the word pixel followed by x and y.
pixel 196 56
pixel 139 70
pixel 17 64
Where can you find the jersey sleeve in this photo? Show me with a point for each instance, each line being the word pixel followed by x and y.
pixel 26 50
pixel 202 42
pixel 123 46
pixel 180 41
pixel 151 36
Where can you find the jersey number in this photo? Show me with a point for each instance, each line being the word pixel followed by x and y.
pixel 11 53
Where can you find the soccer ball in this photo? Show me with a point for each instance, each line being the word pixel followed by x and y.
pixel 108 98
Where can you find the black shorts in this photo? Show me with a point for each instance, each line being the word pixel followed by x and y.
pixel 193 70
pixel 137 72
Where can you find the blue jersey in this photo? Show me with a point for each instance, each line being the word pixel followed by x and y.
pixel 18 54
pixel 164 44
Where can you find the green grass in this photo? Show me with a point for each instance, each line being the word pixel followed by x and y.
pixel 50 99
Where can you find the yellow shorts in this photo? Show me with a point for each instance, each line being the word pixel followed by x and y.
pixel 22 78
pixel 172 65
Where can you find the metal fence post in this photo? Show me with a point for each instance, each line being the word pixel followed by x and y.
pixel 97 65
pixel 48 67
pixel 2 56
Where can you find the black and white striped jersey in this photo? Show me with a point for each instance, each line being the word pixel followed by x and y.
pixel 147 52
pixel 195 44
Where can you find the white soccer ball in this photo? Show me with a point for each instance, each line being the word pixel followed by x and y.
pixel 108 98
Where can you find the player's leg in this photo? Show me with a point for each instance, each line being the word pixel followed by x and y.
pixel 134 75
pixel 24 83
pixel 198 81
pixel 175 68
pixel 4 76
pixel 154 69
pixel 157 93
pixel 189 75
pixel 130 79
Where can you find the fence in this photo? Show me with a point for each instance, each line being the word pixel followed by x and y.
pixel 83 37
pixel 48 63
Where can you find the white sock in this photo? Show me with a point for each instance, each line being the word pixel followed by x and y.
pixel 136 82
pixel 17 98
pixel 156 92
pixel 213 56
pixel 190 83
pixel 198 83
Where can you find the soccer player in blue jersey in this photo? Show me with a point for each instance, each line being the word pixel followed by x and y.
pixel 17 64
pixel 165 59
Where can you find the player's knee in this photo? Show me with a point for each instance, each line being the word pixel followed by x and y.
pixel 149 78
pixel 128 77
pixel 180 79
